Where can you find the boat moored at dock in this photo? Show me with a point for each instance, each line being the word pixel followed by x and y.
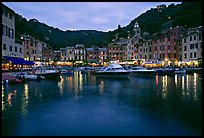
pixel 47 72
pixel 113 71
pixel 142 72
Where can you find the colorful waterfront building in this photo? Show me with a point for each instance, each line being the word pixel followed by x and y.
pixel 192 46
pixel 9 47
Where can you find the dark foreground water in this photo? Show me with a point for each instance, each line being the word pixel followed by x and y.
pixel 85 105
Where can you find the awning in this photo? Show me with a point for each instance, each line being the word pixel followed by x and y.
pixel 20 61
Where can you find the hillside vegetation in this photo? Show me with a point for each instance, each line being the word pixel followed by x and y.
pixel 187 14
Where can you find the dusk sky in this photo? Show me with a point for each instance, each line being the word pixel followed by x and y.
pixel 101 16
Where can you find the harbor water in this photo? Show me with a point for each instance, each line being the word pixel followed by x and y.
pixel 83 105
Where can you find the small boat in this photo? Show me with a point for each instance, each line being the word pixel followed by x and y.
pixel 180 71
pixel 28 76
pixel 9 79
pixel 85 69
pixel 142 72
pixel 47 72
pixel 113 71
pixel 68 72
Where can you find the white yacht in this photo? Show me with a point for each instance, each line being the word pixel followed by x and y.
pixel 113 71
pixel 141 71
pixel 47 72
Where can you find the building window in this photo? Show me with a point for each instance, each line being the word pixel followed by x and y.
pixel 174 47
pixel 191 55
pixel 196 45
pixel 190 38
pixel 194 54
pixel 168 47
pixel 10 16
pixel 6 13
pixel 179 49
pixel 194 37
pixel 184 40
pixel 4 30
pixel 20 50
pixel 185 56
pixel 15 49
pixel 174 55
pixel 174 39
pixel 199 37
pixel 4 46
pixel 169 55
pixel 191 46
pixel 10 48
pixel 185 48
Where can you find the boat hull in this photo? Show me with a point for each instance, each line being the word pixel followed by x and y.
pixel 112 75
pixel 52 75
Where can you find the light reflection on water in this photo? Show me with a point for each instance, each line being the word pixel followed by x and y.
pixel 124 97
pixel 24 103
pixel 164 86
pixel 194 88
pixel 3 105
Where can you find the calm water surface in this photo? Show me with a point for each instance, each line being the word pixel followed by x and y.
pixel 85 105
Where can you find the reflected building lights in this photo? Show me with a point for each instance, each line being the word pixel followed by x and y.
pixel 3 105
pixel 80 82
pixel 25 98
pixel 176 80
pixel 187 87
pixel 194 88
pixel 164 86
pixel 157 79
pixel 70 82
pixel 60 85
pixel 76 80
pixel 182 86
pixel 101 87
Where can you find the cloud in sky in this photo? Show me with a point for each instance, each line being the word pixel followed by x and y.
pixel 101 16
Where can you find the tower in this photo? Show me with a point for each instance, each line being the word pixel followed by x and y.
pixel 137 30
